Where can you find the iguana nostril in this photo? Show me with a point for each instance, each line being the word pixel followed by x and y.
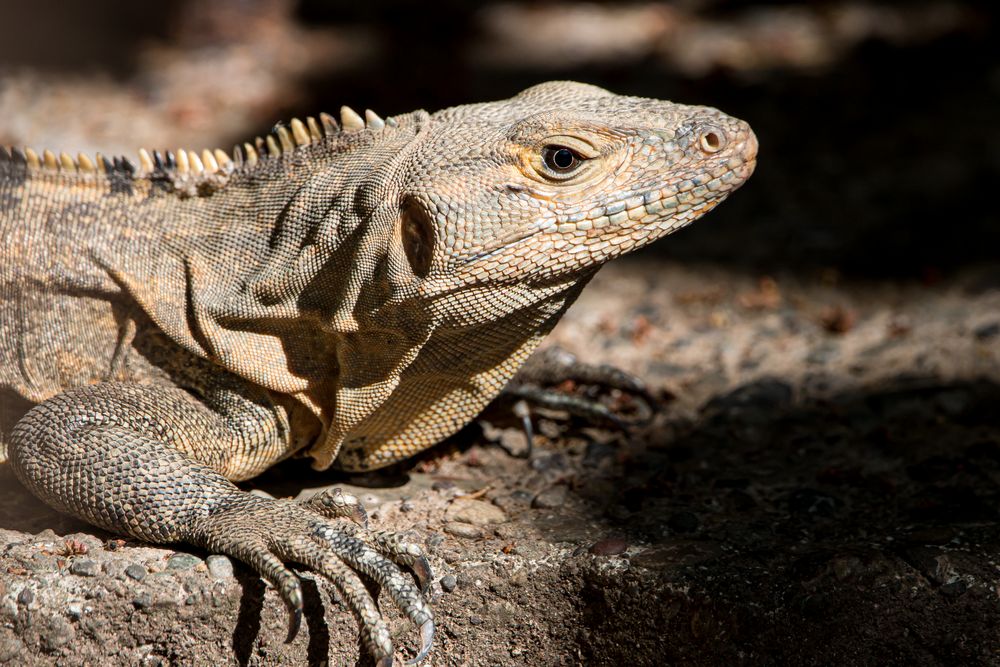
pixel 712 141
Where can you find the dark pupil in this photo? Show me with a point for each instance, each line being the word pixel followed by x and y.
pixel 563 158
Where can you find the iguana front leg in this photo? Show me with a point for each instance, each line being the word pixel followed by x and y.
pixel 149 462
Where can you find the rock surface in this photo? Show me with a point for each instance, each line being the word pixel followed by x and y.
pixel 783 506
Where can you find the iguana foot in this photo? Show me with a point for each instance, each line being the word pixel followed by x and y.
pixel 268 534
pixel 542 383
pixel 114 454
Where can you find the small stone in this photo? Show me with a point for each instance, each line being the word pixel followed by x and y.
pixel 182 561
pixel 448 583
pixel 142 600
pixel 476 512
pixel 465 530
pixel 84 568
pixel 475 620
pixel 26 597
pixel 549 463
pixel 552 498
pixel 683 522
pixel 41 564
pixel 987 331
pixel 135 571
pixel 434 540
pixel 612 546
pixel 443 485
pixel 219 567
pixel 520 495
pixel 451 557
pixel 75 609
pixel 113 568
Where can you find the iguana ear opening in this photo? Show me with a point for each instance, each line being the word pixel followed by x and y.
pixel 417 234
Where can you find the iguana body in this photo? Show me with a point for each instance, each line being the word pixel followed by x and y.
pixel 354 293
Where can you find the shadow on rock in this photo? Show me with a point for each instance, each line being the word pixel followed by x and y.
pixel 859 526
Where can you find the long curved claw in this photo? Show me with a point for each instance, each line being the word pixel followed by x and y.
pixel 523 410
pixel 407 554
pixel 426 641
pixel 294 620
pixel 257 554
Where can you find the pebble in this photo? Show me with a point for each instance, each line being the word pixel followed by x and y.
pixel 475 620
pixel 75 609
pixel 84 568
pixel 443 485
pixel 549 463
pixel 465 530
pixel 476 512
pixel 612 546
pixel 142 600
pixel 26 597
pixel 219 567
pixel 512 501
pixel 449 583
pixel 552 498
pixel 182 561
pixel 435 540
pixel 987 331
pixel 135 571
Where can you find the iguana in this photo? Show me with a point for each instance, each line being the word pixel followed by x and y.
pixel 353 292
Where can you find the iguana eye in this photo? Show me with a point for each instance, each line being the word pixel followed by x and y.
pixel 560 160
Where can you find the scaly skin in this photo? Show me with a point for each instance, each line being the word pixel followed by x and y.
pixel 354 294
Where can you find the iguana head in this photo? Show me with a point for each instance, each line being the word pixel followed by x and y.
pixel 560 179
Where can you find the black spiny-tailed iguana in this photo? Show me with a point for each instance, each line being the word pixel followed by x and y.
pixel 353 292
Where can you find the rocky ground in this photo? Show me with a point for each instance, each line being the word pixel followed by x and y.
pixel 820 485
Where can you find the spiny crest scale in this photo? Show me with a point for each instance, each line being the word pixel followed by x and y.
pixel 281 140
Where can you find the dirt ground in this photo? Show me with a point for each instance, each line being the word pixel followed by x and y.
pixel 820 483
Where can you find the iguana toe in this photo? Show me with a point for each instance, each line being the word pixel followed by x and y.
pixel 336 504
pixel 267 534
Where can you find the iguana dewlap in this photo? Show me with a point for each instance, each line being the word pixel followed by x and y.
pixel 352 291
